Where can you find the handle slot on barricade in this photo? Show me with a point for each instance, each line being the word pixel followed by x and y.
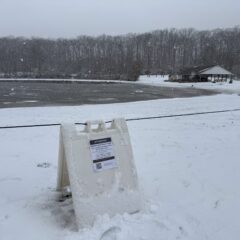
pixel 97 125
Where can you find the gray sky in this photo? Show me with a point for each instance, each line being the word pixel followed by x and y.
pixel 71 18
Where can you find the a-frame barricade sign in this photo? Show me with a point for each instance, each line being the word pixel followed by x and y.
pixel 98 165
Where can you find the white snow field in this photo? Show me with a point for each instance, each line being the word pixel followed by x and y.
pixel 220 86
pixel 188 171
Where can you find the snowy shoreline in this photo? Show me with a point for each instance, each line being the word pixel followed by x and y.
pixel 218 86
pixel 49 80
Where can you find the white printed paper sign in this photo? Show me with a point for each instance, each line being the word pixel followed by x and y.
pixel 102 154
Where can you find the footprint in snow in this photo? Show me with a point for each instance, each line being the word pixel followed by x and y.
pixel 111 233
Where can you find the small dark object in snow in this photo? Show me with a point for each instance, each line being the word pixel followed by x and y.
pixel 44 165
pixel 63 197
pixel 65 194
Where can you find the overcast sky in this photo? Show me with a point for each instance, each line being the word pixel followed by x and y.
pixel 71 18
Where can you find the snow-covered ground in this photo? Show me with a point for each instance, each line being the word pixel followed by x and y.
pixel 188 171
pixel 161 81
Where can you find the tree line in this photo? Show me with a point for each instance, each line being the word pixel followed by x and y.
pixel 120 57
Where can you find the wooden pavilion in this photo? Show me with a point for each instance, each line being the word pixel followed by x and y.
pixel 203 74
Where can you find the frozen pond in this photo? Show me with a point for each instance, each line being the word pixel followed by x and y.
pixel 28 94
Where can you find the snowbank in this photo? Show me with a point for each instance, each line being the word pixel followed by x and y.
pixel 188 169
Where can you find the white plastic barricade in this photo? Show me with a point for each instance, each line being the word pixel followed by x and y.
pixel 98 165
